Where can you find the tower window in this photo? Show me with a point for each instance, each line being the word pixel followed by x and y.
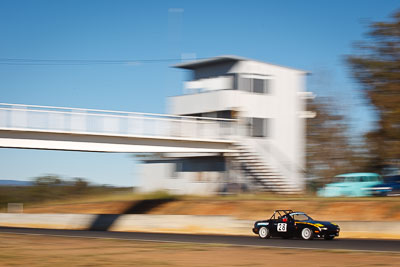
pixel 259 127
pixel 256 84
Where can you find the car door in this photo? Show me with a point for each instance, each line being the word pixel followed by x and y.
pixel 273 227
pixel 284 226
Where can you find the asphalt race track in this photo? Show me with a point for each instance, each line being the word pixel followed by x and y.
pixel 381 245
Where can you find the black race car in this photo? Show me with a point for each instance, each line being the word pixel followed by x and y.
pixel 288 224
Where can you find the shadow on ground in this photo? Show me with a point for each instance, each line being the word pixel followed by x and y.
pixel 103 222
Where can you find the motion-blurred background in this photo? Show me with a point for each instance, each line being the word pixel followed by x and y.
pixel 200 108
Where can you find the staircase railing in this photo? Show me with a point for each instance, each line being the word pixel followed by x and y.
pixel 274 158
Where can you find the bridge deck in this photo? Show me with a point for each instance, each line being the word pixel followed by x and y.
pixel 59 128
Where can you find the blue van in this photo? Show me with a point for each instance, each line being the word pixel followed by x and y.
pixel 351 185
pixel 390 187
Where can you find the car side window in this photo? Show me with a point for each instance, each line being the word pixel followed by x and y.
pixel 300 217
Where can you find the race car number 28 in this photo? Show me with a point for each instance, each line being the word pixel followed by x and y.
pixel 281 227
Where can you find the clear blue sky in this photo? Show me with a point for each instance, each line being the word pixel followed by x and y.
pixel 310 35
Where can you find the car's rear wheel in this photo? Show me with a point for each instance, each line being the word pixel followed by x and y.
pixel 307 234
pixel 263 233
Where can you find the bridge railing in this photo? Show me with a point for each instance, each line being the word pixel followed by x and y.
pixel 93 121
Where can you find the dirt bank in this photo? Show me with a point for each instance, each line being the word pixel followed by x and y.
pixel 323 209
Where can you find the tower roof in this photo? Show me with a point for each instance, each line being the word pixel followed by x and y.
pixel 204 62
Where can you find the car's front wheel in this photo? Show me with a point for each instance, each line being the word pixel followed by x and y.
pixel 263 233
pixel 328 237
pixel 307 234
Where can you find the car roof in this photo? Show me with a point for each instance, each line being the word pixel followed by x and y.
pixel 356 174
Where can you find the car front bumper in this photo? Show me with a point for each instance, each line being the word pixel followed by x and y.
pixel 329 232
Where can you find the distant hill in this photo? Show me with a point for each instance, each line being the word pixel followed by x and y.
pixel 15 183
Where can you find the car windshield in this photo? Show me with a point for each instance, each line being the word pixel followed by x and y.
pixel 392 179
pixel 300 217
pixel 338 179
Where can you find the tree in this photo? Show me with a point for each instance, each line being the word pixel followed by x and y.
pixel 377 67
pixel 48 180
pixel 80 185
pixel 329 151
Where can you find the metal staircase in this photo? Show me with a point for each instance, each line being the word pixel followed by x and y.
pixel 263 175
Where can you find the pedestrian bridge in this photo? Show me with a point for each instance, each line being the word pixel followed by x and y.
pixel 76 129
